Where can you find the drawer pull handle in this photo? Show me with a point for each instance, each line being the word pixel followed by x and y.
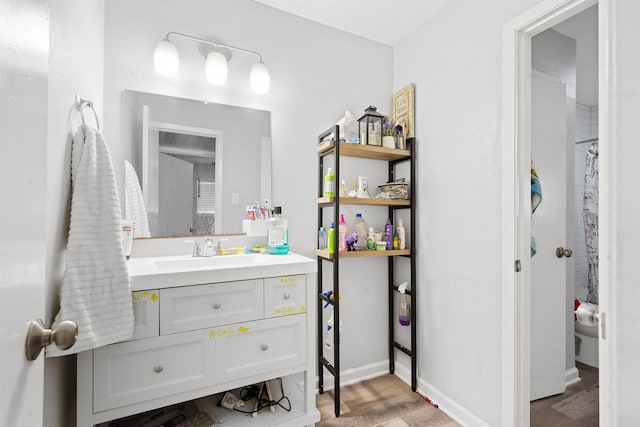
pixel 286 295
pixel 216 305
pixel 264 347
pixel 158 368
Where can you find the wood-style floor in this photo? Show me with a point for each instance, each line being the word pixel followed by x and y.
pixel 387 401
pixel 578 406
pixel 384 401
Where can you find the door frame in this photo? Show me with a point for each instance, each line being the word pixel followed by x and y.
pixel 516 200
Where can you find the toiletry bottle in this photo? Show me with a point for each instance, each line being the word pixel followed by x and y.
pixel 329 184
pixel 401 235
pixel 388 234
pixel 371 240
pixel 396 241
pixel 278 233
pixel 331 238
pixel 322 238
pixel 343 189
pixel 404 314
pixel 328 342
pixel 361 229
pixel 342 234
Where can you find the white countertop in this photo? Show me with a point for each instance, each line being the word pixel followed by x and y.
pixel 171 271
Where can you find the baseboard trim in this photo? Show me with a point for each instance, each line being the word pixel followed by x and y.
pixel 449 406
pixel 355 375
pixel 572 376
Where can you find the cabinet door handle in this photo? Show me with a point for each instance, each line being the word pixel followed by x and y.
pixel 264 347
pixel 286 295
pixel 158 368
pixel 216 305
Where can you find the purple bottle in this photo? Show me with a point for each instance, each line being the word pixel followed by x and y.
pixel 388 234
pixel 404 316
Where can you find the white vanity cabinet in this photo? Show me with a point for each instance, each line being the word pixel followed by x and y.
pixel 200 339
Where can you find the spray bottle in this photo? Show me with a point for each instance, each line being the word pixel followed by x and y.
pixel 329 336
pixel 405 306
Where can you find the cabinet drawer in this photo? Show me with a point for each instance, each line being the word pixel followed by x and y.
pixel 285 295
pixel 259 347
pixel 205 306
pixel 141 370
pixel 146 314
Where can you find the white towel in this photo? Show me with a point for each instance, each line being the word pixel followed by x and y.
pixel 96 291
pixel 134 208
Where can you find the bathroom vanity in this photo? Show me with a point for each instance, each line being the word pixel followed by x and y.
pixel 204 326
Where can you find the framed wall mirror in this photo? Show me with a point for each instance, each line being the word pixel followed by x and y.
pixel 198 164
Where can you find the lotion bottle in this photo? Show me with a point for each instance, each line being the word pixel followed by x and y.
pixel 388 234
pixel 342 234
pixel 401 235
pixel 331 238
pixel 329 184
pixel 371 241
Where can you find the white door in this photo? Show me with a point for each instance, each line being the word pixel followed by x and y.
pixel 548 272
pixel 24 62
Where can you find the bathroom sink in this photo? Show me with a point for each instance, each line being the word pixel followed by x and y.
pixel 222 261
pixel 159 272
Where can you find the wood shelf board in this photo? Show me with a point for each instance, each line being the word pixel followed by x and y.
pixel 365 151
pixel 368 253
pixel 365 201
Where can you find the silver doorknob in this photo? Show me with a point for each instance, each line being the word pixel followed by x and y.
pixel 560 252
pixel 38 337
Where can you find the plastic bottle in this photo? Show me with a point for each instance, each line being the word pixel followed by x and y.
pixel 396 241
pixel 371 241
pixel 388 234
pixel 361 229
pixel 331 238
pixel 322 238
pixel 328 342
pixel 342 234
pixel 401 235
pixel 329 184
pixel 404 315
pixel 278 233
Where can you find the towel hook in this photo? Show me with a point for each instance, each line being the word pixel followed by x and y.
pixel 80 104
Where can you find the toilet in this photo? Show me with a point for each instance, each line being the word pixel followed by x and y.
pixel 586 333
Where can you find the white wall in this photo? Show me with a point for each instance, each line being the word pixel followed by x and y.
pixel 455 60
pixel 75 68
pixel 316 74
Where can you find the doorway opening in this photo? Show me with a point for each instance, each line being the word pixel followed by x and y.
pixel 519 267
pixel 564 375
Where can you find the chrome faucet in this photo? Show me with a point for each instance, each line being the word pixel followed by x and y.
pixel 206 250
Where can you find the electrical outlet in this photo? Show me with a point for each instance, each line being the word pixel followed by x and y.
pixel 235 198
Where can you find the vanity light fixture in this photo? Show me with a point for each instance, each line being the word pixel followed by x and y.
pixel 167 62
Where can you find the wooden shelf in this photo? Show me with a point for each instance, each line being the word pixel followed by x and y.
pixel 365 151
pixel 365 201
pixel 323 253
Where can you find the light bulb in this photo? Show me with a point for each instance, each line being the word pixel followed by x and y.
pixel 166 59
pixel 216 68
pixel 259 79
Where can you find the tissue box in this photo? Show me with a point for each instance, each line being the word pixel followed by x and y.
pixel 254 228
pixel 393 190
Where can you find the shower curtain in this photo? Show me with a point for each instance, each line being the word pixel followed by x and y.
pixel 590 217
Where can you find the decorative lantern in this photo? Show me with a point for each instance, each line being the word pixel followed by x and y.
pixel 370 127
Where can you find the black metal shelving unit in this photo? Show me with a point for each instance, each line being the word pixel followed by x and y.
pixel 327 146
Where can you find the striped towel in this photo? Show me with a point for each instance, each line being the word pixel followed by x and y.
pixel 134 208
pixel 96 291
